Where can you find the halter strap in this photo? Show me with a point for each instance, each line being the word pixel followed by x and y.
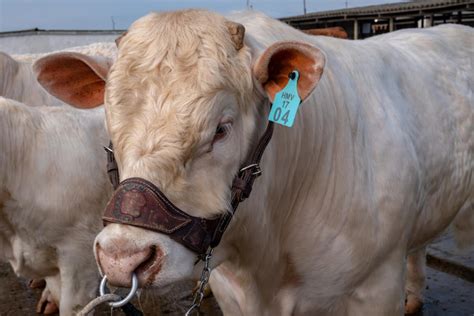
pixel 140 203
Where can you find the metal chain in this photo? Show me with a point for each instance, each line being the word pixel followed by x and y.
pixel 199 295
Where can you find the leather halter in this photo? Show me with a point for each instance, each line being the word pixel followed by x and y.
pixel 140 203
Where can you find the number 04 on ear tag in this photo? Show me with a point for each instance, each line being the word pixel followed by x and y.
pixel 286 102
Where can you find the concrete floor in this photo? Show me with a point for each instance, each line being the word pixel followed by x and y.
pixel 446 295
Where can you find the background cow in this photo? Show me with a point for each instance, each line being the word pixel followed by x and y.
pixel 53 185
pixel 379 161
pixel 18 82
pixel 53 189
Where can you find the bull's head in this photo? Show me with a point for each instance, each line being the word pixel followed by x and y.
pixel 186 100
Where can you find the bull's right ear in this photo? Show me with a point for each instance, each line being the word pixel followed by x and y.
pixel 77 79
pixel 280 59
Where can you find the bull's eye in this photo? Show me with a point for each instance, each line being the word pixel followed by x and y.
pixel 221 131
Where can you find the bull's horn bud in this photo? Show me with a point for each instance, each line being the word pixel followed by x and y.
pixel 237 32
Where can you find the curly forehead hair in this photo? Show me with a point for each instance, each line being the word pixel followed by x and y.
pixel 184 49
pixel 170 66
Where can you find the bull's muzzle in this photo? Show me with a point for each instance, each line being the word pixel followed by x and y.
pixel 118 259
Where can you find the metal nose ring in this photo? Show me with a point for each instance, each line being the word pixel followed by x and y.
pixel 133 291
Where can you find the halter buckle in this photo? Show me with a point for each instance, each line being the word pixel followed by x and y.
pixel 256 169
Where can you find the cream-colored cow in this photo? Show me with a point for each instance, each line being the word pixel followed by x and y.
pixel 379 161
pixel 18 82
pixel 53 184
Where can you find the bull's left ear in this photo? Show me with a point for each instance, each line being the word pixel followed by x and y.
pixel 77 79
pixel 280 59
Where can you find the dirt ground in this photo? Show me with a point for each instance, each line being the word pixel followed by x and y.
pixel 446 295
pixel 17 299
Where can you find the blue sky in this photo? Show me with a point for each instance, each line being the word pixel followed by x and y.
pixel 96 14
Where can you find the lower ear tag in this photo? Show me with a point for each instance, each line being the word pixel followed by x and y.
pixel 286 102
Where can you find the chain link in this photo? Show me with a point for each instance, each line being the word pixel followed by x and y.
pixel 205 274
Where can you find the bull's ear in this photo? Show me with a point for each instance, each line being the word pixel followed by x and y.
pixel 280 59
pixel 77 79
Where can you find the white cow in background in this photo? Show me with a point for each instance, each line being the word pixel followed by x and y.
pixel 53 185
pixel 18 82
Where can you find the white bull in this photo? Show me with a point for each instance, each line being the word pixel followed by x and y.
pixel 53 187
pixel 379 161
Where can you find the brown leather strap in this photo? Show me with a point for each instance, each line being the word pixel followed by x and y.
pixel 140 203
pixel 112 168
pixel 243 183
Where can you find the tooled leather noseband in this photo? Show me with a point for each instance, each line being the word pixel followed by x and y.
pixel 140 203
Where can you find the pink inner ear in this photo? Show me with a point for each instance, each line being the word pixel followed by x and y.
pixel 279 60
pixel 72 80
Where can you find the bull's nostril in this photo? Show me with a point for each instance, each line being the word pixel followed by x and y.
pixel 149 268
pixel 149 261
pixel 97 256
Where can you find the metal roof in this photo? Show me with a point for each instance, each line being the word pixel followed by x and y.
pixel 387 9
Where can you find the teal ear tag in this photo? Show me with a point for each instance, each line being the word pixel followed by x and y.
pixel 286 102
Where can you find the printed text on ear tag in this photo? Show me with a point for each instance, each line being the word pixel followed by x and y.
pixel 286 102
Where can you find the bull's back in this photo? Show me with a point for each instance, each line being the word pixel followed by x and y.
pixel 445 143
pixel 412 92
pixel 432 70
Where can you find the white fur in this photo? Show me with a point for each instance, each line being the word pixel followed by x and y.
pixel 53 187
pixel 379 161
pixel 18 82
pixel 62 256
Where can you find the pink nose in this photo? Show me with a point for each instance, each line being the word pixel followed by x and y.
pixel 118 263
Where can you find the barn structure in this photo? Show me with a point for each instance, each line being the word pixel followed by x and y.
pixel 363 22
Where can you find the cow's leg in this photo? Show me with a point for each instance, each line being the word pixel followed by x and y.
pixel 37 284
pixel 463 227
pixel 415 283
pixel 48 302
pixel 382 292
pixel 285 302
pixel 79 279
pixel 234 290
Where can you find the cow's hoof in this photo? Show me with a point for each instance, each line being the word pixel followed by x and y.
pixel 413 304
pixel 37 284
pixel 46 304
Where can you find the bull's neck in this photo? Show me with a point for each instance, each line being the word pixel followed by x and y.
pixel 308 174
